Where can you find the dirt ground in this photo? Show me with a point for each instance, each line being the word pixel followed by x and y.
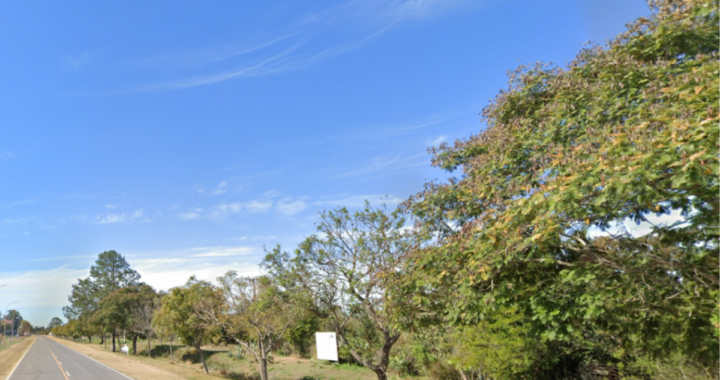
pixel 134 366
pixel 11 356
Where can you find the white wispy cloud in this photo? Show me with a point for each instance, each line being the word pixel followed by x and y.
pixel 258 206
pixel 226 209
pixel 356 201
pixel 221 188
pixel 272 193
pixel 256 237
pixel 305 61
pixel 118 218
pixel 437 141
pixel 210 55
pixel 224 251
pixel 254 69
pixel 231 208
pixel 376 164
pixel 379 132
pixel 418 9
pixel 189 215
pixel 291 207
pixel 362 21
pixel 370 11
pixel 64 258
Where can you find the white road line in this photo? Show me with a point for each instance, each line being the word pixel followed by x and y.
pixel 68 373
pixel 21 359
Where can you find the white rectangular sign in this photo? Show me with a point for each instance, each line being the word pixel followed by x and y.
pixel 326 343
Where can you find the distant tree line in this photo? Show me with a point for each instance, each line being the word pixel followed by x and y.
pixel 519 267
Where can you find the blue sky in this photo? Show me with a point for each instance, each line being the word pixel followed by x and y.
pixel 187 135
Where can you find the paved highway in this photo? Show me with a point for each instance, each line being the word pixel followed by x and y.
pixel 49 360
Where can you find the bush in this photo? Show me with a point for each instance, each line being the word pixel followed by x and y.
pixel 440 370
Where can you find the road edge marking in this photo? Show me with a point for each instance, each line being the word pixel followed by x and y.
pixel 19 361
pixel 96 361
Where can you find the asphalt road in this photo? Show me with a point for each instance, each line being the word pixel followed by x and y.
pixel 49 360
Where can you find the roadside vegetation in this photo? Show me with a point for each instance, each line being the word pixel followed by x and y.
pixel 578 240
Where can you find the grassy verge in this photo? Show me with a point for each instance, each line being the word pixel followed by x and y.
pixel 10 354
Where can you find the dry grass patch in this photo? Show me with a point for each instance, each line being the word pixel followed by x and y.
pixel 222 361
pixel 11 355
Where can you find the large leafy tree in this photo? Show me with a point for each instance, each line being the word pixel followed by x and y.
pixel 141 305
pixel 109 273
pixel 112 313
pixel 344 274
pixel 56 321
pixel 258 314
pixel 185 309
pixel 129 309
pixel 112 272
pixel 625 135
pixel 15 318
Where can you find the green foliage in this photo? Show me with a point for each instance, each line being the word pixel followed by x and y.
pixel 110 273
pixel 56 321
pixel 258 314
pixel 441 370
pixel 500 347
pixel 344 273
pixel 25 327
pixel 16 319
pixel 535 222
pixel 184 313
pixel 301 335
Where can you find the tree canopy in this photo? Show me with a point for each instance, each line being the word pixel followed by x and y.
pixel 535 222
pixel 258 314
pixel 344 274
pixel 185 311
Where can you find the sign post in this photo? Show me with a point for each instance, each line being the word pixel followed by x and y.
pixel 326 343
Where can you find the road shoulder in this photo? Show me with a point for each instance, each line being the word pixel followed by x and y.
pixel 125 364
pixel 11 356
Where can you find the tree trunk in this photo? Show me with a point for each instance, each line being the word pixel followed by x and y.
pixel 150 348
pixel 113 340
pixel 89 338
pixel 381 375
pixel 135 344
pixel 384 360
pixel 263 368
pixel 202 357
pixel 382 366
pixel 172 358
pixel 263 358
